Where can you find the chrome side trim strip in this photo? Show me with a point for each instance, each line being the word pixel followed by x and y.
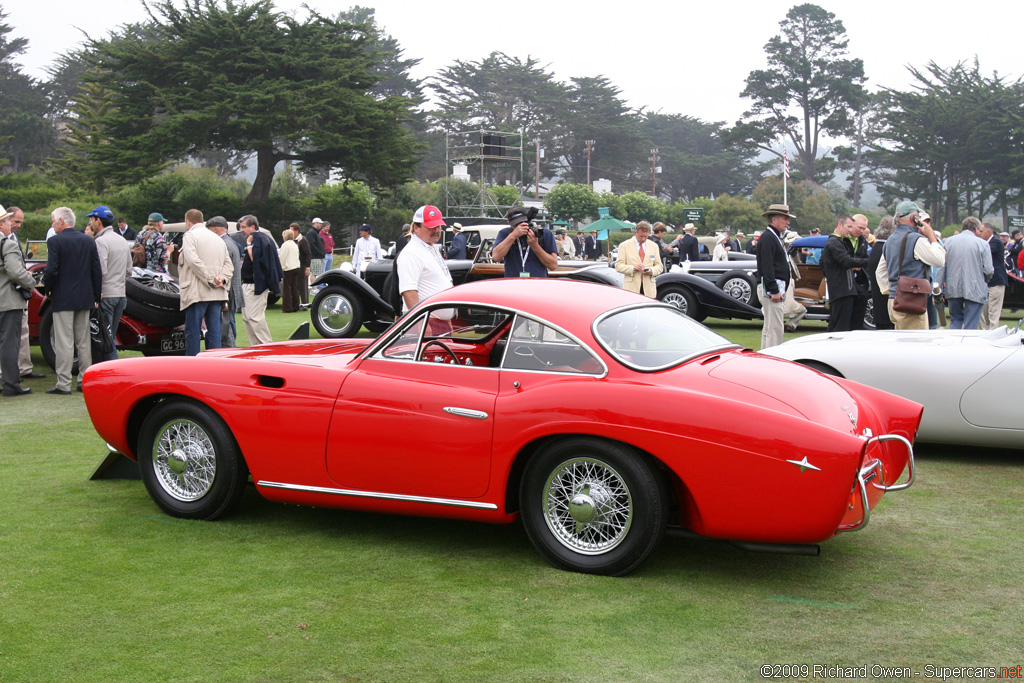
pixel 466 412
pixel 384 496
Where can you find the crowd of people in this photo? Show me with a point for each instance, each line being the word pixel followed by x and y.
pixel 220 274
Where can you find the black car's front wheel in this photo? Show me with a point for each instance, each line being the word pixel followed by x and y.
pixel 190 462
pixel 593 506
pixel 337 312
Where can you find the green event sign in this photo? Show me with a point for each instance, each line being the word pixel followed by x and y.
pixel 1016 221
pixel 695 215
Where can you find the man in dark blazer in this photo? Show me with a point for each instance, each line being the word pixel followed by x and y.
pixel 73 280
pixel 124 231
pixel 594 250
pixel 581 245
pixel 689 247
pixel 773 274
pixel 993 309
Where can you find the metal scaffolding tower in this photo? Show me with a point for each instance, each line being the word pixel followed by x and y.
pixel 488 152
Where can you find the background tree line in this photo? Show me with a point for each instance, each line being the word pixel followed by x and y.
pixel 333 98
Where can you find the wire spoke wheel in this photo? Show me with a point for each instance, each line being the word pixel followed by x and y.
pixel 185 460
pixel 189 461
pixel 593 506
pixel 588 506
pixel 738 288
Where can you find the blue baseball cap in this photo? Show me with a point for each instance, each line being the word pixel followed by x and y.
pixel 157 217
pixel 101 212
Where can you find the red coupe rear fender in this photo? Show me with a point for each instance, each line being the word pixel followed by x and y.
pixel 886 461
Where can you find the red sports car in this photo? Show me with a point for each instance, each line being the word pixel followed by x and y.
pixel 599 417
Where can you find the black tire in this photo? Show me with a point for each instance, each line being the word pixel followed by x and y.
pixel 154 292
pixel 336 312
pixel 376 326
pixel 683 299
pixel 190 462
pixel 161 317
pixel 593 506
pixel 46 343
pixel 739 285
pixel 823 368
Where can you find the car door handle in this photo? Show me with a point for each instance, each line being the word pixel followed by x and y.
pixel 467 412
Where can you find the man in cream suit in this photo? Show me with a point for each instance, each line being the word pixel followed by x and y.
pixel 639 262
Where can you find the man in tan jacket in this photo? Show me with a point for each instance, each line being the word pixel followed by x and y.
pixel 639 262
pixel 204 274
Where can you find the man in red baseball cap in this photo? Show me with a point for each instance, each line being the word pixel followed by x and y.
pixel 421 268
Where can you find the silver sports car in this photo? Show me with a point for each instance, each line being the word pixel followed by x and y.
pixel 966 380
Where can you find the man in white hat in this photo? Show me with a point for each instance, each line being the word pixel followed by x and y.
pixel 773 273
pixel 689 247
pixel 457 250
pixel 316 249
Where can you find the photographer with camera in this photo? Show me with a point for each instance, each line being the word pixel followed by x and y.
pixel 912 251
pixel 16 286
pixel 528 251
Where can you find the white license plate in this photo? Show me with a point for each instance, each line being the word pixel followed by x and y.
pixel 172 343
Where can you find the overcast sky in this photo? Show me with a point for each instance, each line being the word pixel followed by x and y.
pixel 683 57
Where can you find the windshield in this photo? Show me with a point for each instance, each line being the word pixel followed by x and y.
pixel 651 337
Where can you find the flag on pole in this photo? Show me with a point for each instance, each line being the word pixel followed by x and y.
pixel 785 179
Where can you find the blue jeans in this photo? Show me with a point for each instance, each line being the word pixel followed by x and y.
pixel 964 314
pixel 328 261
pixel 112 307
pixel 194 317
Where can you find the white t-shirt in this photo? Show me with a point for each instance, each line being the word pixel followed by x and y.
pixel 421 268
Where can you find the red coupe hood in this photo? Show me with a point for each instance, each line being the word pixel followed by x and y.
pixel 809 393
pixel 296 350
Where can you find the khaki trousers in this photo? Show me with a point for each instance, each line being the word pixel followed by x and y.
pixel 70 332
pixel 772 332
pixel 25 353
pixel 254 315
pixel 993 308
pixel 907 321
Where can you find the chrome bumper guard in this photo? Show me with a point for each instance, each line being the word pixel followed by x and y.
pixel 872 471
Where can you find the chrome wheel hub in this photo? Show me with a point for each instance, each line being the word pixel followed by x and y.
pixel 184 459
pixel 587 506
pixel 335 312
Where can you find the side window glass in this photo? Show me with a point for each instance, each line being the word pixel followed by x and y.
pixel 404 346
pixel 532 345
pixel 463 335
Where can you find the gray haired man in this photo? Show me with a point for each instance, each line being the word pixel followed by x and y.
pixel 219 226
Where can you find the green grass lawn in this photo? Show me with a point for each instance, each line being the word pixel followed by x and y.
pixel 97 585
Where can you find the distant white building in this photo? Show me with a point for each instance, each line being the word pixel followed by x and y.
pixel 602 185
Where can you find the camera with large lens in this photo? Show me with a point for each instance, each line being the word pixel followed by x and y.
pixel 518 215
